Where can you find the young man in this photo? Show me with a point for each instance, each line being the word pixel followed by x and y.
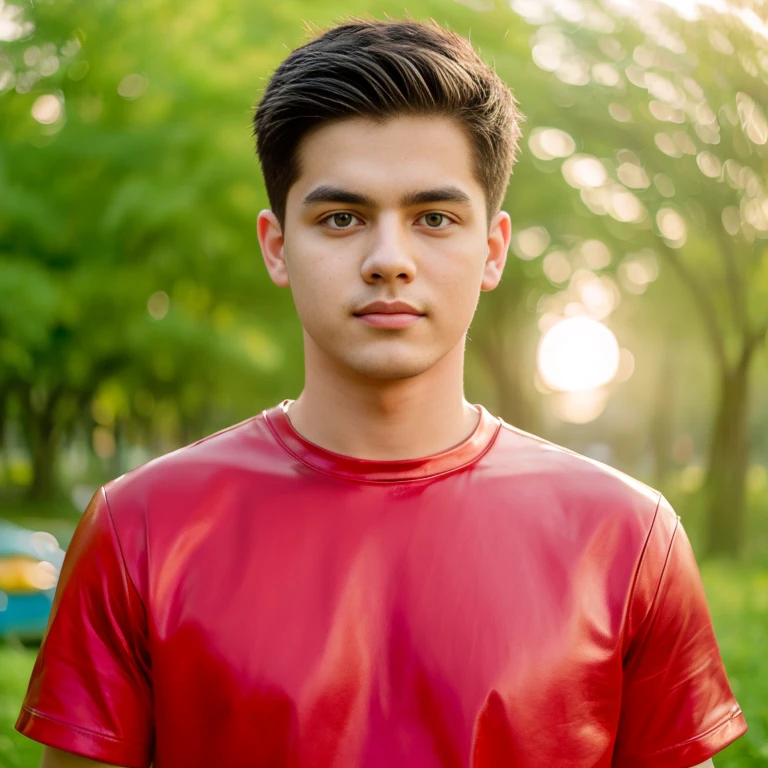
pixel 380 573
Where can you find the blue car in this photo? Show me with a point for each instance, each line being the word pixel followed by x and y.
pixel 30 563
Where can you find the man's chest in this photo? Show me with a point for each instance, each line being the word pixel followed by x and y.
pixel 390 637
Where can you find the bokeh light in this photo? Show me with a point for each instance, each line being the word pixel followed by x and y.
pixel 530 243
pixel 132 86
pixel 550 143
pixel 158 305
pixel 672 227
pixel 43 575
pixel 582 170
pixel 47 109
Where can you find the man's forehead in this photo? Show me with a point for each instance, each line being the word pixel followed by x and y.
pixel 361 146
pixel 404 161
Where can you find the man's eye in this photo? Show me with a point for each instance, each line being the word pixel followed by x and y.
pixel 433 220
pixel 342 220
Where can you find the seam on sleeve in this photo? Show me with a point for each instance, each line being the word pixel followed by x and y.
pixel 125 570
pixel 641 563
pixel 672 538
pixel 698 737
pixel 126 573
pixel 663 571
pixel 80 729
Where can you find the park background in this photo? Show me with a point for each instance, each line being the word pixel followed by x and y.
pixel 136 315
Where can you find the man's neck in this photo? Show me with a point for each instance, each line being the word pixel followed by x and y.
pixel 385 420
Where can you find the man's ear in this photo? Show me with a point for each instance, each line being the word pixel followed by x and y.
pixel 272 247
pixel 499 235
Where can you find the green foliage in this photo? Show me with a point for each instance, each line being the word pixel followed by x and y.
pixel 129 260
pixel 129 191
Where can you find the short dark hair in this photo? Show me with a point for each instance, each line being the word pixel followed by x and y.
pixel 380 70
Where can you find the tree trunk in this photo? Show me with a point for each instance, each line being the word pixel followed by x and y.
pixel 43 450
pixel 5 396
pixel 41 434
pixel 725 486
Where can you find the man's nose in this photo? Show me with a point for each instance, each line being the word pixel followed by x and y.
pixel 390 253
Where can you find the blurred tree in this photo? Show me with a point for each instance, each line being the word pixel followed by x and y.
pixel 658 124
pixel 126 247
pixel 130 301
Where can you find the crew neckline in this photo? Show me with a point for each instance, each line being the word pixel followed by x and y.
pixel 371 470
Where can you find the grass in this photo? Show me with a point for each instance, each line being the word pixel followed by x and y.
pixel 16 751
pixel 738 599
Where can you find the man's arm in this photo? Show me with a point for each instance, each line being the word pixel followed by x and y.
pixel 55 758
pixel 90 691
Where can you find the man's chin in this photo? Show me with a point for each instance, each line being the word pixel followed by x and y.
pixel 388 369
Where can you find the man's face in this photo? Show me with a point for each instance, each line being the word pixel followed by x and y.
pixel 352 237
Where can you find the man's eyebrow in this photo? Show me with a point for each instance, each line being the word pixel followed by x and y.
pixel 327 193
pixel 439 195
pixel 330 194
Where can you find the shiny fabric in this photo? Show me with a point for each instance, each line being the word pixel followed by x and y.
pixel 255 600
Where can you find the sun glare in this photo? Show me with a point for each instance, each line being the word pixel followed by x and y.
pixel 578 354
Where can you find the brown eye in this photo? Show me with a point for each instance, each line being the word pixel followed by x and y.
pixel 434 219
pixel 340 220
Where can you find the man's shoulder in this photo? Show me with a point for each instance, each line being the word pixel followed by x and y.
pixel 217 459
pixel 562 476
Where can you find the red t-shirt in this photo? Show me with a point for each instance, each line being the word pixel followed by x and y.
pixel 255 600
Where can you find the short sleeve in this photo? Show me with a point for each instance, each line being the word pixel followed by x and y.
pixel 677 705
pixel 90 690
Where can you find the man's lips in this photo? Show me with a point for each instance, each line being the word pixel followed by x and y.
pixel 389 319
pixel 389 314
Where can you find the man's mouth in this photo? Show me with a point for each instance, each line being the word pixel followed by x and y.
pixel 389 314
